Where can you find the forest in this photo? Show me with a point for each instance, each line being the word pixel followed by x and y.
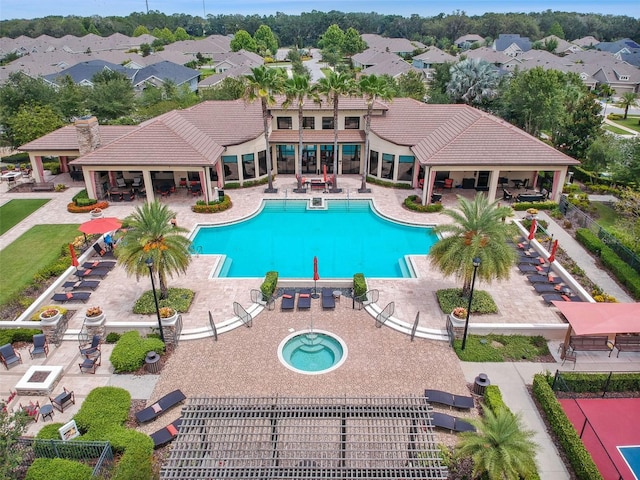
pixel 304 30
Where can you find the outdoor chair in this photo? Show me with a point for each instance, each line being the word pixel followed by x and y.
pixel 449 422
pixel 33 410
pixel 71 297
pixel 120 182
pixel 506 194
pixel 162 405
pixel 101 250
pixel 288 300
pixel 63 400
pixel 100 264
pixel 40 345
pixel 436 197
pixel 137 182
pixel 89 364
pixel 529 268
pixel 90 349
pixel 166 434
pixel 304 299
pixel 547 287
pixel 328 301
pixel 8 356
pixel 540 278
pixel 449 399
pixel 82 285
pixel 448 183
pixel 92 272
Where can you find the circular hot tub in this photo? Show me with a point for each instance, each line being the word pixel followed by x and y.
pixel 312 352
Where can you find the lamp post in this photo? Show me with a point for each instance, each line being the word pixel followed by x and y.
pixel 149 262
pixel 476 264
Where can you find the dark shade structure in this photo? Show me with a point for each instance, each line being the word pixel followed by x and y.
pixel 277 438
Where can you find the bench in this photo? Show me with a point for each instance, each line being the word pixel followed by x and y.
pixel 530 197
pixel 628 343
pixel 590 343
pixel 43 187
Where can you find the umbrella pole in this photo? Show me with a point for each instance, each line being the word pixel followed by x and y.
pixel 315 290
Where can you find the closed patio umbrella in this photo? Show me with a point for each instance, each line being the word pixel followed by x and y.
pixel 316 277
pixel 74 259
pixel 552 257
pixel 532 230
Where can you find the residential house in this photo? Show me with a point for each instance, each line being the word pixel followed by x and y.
pixel 511 44
pixel 465 42
pixel 399 46
pixel 83 73
pixel 160 73
pixel 216 142
pixel 563 47
pixel 586 42
pixel 430 58
pixel 499 59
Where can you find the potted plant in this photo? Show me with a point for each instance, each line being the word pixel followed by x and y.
pixel 168 315
pixel 532 213
pixel 50 315
pixel 96 213
pixel 94 315
pixel 458 316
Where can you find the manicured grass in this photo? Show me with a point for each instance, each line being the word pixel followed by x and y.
pixel 630 122
pixel 29 253
pixel 501 348
pixel 607 216
pixel 14 211
pixel 615 130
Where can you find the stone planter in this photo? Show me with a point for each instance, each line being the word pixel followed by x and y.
pixel 50 320
pixel 169 320
pixel 95 320
pixel 456 322
pixel 96 213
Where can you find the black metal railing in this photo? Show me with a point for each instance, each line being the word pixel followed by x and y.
pixel 96 454
pixel 242 314
pixel 213 327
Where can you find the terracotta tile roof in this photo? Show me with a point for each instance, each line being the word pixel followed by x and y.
pixel 65 138
pixel 345 103
pixel 316 136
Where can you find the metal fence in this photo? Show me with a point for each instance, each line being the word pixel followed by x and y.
pixel 95 454
pixel 577 216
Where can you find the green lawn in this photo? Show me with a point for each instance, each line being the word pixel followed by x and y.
pixel 34 249
pixel 607 216
pixel 615 130
pixel 14 211
pixel 630 122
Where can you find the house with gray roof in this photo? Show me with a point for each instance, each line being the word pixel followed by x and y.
pixel 586 42
pixel 399 46
pixel 82 73
pixel 160 73
pixel 431 57
pixel 626 45
pixel 563 47
pixel 217 142
pixel 511 44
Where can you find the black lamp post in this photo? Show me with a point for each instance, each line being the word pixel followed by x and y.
pixel 149 262
pixel 476 264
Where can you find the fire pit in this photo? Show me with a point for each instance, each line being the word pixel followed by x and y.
pixel 39 380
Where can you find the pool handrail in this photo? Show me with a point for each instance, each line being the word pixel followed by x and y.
pixel 385 314
pixel 242 314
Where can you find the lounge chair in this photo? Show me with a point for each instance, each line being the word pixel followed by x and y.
pixel 547 287
pixel 327 298
pixel 166 434
pixel 82 284
pixel 304 299
pixel 90 349
pixel 92 272
pixel 288 300
pixel 531 260
pixel 543 279
pixel 8 356
pixel 100 250
pixel 71 297
pixel 100 264
pixel 559 297
pixel 528 268
pixel 448 422
pixel 64 399
pixel 449 399
pixel 165 403
pixel 40 345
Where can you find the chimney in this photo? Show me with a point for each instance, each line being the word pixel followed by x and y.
pixel 88 132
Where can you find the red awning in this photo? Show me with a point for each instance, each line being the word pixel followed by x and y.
pixel 601 318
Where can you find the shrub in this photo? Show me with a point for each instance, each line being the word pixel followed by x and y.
pixel 53 167
pixel 359 285
pixel 18 335
pixel 179 298
pixel 589 240
pixel 452 297
pixel 58 469
pixel 579 458
pixel 269 285
pixel 73 208
pixel 622 271
pixel 493 398
pixel 385 183
pixel 129 353
pixel 412 202
pixel 520 206
pixel 212 207
pixel 50 432
pixel 112 337
pixel 103 406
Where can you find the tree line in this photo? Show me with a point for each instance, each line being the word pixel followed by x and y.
pixel 305 30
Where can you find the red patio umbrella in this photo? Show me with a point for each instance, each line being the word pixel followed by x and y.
pixel 552 257
pixel 100 225
pixel 316 276
pixel 74 259
pixel 532 230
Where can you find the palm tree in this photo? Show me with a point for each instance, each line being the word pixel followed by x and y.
pixel 332 87
pixel 151 235
pixel 473 81
pixel 501 448
pixel 264 83
pixel 477 231
pixel 627 100
pixel 372 88
pixel 298 89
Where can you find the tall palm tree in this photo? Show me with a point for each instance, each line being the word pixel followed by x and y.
pixel 264 83
pixel 477 231
pixel 333 86
pixel 298 89
pixel 473 81
pixel 501 448
pixel 372 88
pixel 627 100
pixel 151 235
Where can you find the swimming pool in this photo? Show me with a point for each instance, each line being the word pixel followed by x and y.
pixel 348 237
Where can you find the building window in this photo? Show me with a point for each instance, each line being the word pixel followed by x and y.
pixel 373 163
pixel 388 161
pixel 327 123
pixel 286 159
pixel 262 162
pixel 308 123
pixel 248 166
pixel 230 164
pixel 285 123
pixel 405 167
pixel 352 123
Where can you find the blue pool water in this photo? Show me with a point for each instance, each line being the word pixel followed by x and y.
pixel 347 238
pixel 631 455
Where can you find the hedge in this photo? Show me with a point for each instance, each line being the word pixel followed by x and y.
pixel 73 208
pixel 589 240
pixel 579 458
pixel 269 285
pixel 103 406
pixel 212 207
pixel 58 469
pixel 385 183
pixel 412 202
pixel 129 353
pixel 359 285
pixel 18 335
pixel 538 205
pixel 595 382
pixel 622 271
